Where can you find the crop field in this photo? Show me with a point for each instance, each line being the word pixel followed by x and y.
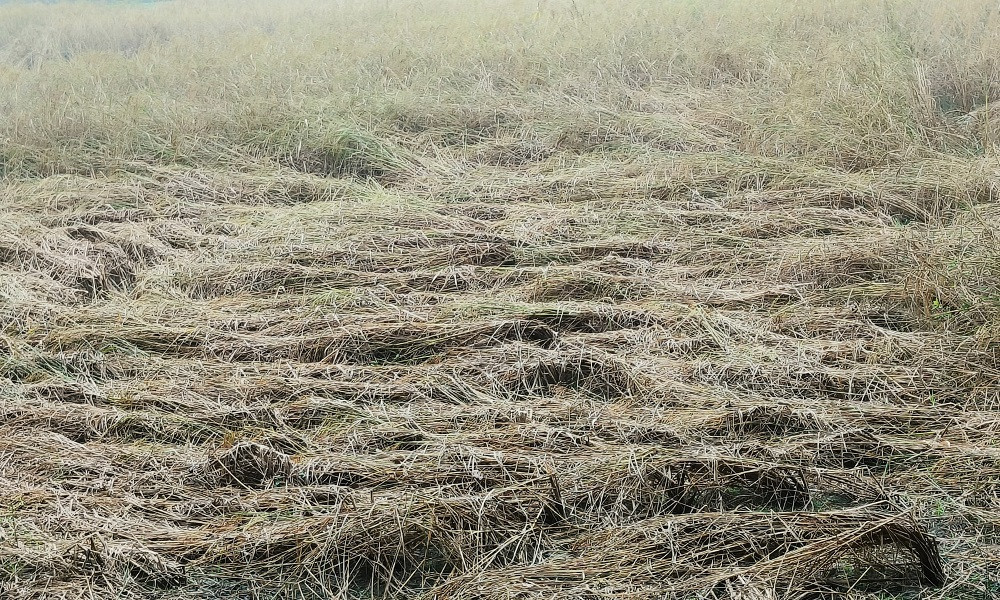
pixel 500 300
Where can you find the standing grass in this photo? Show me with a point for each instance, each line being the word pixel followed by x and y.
pixel 856 89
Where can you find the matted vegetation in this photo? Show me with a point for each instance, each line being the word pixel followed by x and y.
pixel 513 300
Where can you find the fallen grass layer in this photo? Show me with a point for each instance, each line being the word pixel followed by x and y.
pixel 701 302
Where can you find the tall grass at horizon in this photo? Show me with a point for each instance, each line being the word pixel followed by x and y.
pixel 88 86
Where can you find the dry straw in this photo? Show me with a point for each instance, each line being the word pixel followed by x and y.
pixel 521 300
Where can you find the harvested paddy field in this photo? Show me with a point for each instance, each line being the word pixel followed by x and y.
pixel 526 300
